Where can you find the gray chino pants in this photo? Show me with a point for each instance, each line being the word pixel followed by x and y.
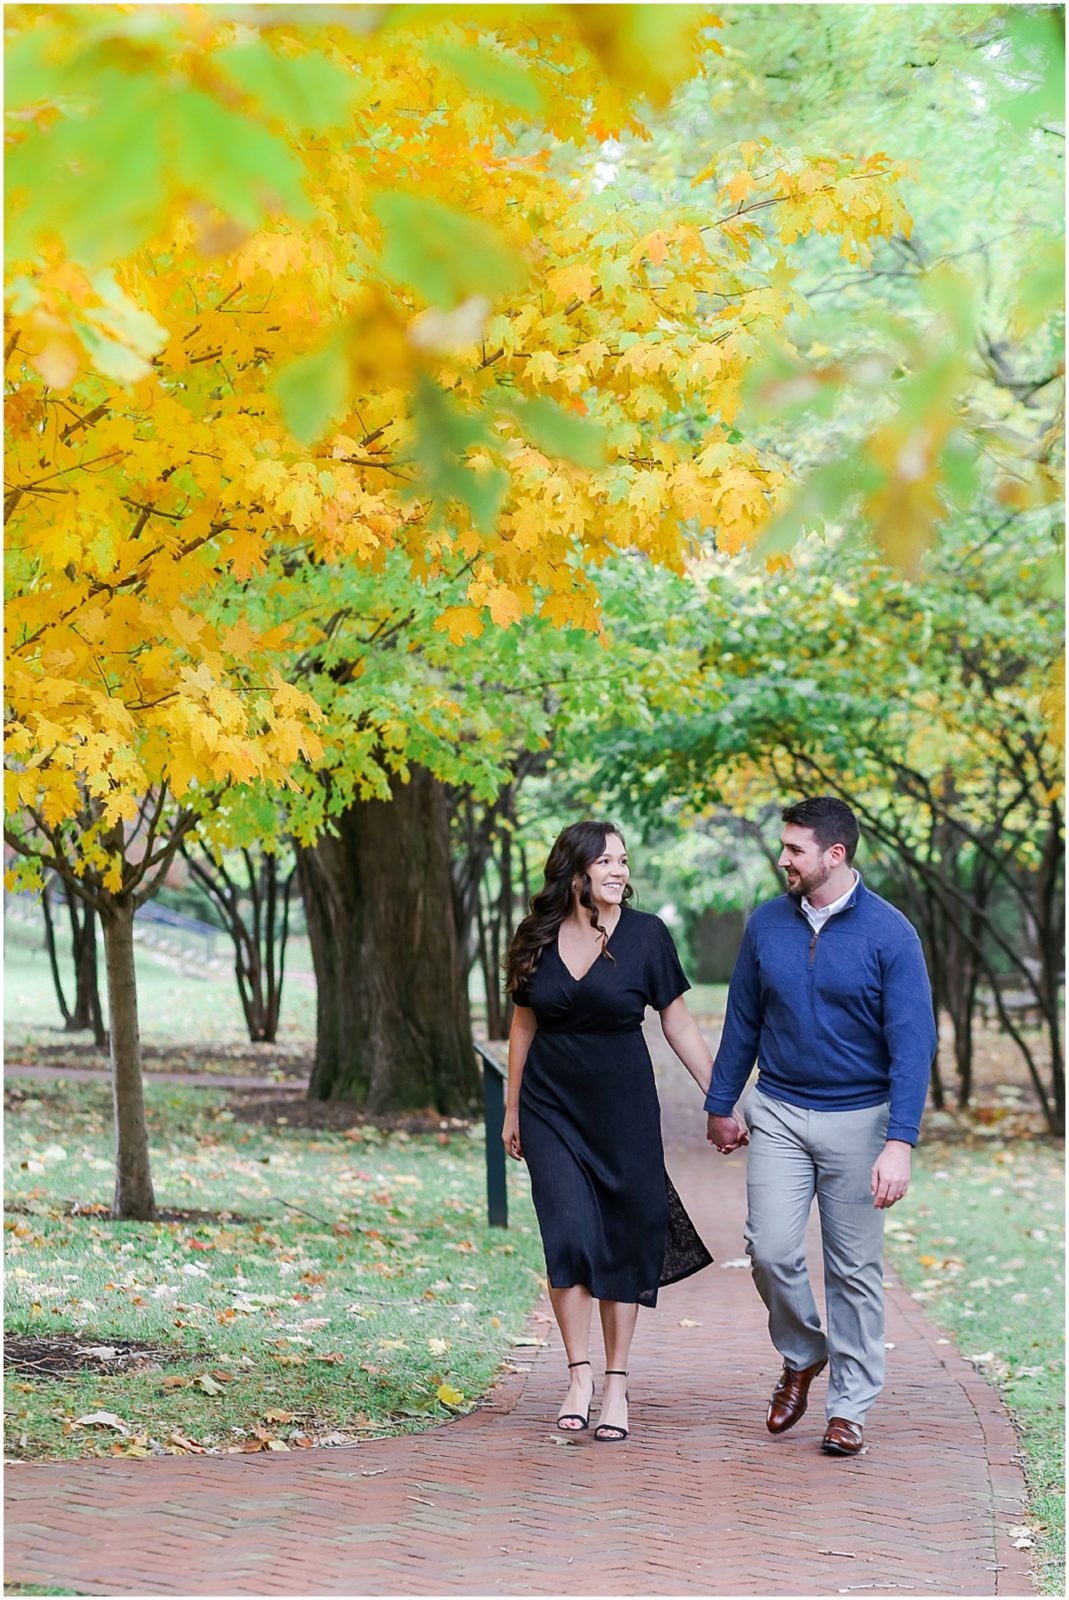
pixel 795 1154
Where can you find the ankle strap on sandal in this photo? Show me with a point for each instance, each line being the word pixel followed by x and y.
pixel 578 1364
pixel 616 1372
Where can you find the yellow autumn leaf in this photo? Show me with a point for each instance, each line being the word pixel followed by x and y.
pixel 449 1396
pixel 460 622
pixel 740 186
pixel 574 282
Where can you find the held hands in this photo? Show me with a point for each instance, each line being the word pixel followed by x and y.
pixel 510 1135
pixel 727 1133
pixel 890 1174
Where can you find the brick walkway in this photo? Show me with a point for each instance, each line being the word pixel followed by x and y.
pixel 701 1500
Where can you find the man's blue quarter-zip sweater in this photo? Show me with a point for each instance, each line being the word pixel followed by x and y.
pixel 837 1020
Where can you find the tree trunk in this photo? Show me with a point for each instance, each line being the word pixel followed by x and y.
pixel 258 935
pixel 134 1197
pixel 393 1029
pixel 53 957
pixel 87 1012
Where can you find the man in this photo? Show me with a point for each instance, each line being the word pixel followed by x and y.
pixel 830 994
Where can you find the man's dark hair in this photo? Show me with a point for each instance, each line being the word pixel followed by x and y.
pixel 831 820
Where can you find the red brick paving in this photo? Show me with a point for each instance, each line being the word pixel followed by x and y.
pixel 700 1501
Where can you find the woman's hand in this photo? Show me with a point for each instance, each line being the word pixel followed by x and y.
pixel 510 1135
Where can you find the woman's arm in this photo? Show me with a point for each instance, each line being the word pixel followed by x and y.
pixel 681 1031
pixel 524 1027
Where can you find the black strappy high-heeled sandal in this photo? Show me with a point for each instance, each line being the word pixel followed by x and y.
pixel 576 1416
pixel 611 1432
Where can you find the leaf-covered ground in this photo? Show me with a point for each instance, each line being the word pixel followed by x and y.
pixel 328 1285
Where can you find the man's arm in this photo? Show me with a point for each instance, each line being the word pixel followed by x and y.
pixel 737 1052
pixel 910 1032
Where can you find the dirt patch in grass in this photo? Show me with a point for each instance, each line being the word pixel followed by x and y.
pixel 284 1106
pixel 199 1060
pixel 57 1355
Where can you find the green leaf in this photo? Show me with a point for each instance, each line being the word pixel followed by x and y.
pixel 444 436
pixel 960 470
pixel 443 254
pixel 820 499
pixel 96 180
pixel 1034 77
pixel 30 76
pixel 493 76
pixel 305 92
pixel 313 390
pixel 1042 287
pixel 556 431
pixel 233 162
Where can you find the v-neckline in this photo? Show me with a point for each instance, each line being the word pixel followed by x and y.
pixel 597 958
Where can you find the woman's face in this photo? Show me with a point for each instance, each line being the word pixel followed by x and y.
pixel 609 872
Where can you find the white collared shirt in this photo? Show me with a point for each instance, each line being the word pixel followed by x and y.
pixel 818 915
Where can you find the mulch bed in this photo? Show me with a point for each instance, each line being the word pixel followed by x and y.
pixel 58 1354
pixel 292 1109
pixel 235 1060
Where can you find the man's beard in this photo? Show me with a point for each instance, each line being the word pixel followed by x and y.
pixel 806 885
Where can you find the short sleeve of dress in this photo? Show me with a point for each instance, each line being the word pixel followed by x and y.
pixel 665 978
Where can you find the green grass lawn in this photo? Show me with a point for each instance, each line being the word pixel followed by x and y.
pixel 173 1006
pixel 385 1304
pixel 980 1242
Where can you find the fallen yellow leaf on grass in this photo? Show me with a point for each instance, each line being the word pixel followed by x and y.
pixel 101 1419
pixel 450 1396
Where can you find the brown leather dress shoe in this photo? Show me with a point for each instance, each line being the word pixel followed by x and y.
pixel 790 1397
pixel 842 1438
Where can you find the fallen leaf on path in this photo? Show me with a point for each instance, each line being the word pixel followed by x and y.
pixel 739 1261
pixel 688 1322
pixel 187 1446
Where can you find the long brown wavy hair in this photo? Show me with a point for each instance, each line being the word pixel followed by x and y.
pixel 574 848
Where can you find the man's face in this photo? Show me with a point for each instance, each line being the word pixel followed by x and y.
pixel 807 866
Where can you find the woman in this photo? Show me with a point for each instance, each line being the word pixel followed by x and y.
pixel 582 1106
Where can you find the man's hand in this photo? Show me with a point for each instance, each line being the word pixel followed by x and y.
pixel 890 1174
pixel 727 1133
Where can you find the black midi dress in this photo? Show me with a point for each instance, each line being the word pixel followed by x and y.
pixel 590 1120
